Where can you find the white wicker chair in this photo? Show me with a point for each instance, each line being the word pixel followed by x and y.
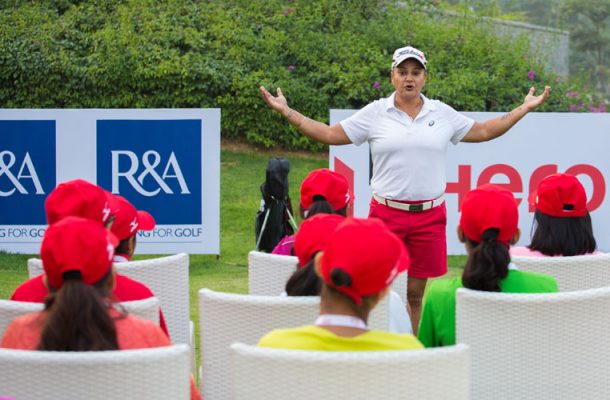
pixel 168 278
pixel 9 310
pixel 145 309
pixel 268 273
pixel 226 318
pixel 400 286
pixel 262 373
pixel 34 267
pixel 159 373
pixel 536 346
pixel 571 273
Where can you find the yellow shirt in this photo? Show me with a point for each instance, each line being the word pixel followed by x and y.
pixel 312 337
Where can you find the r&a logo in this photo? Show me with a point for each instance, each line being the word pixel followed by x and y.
pixel 27 170
pixel 171 170
pixel 155 164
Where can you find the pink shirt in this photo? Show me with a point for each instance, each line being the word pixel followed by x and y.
pixel 285 247
pixel 524 251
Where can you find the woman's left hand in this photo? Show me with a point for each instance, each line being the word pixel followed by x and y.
pixel 531 102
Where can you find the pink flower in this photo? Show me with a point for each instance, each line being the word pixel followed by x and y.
pixel 572 94
pixel 573 108
pixel 376 85
pixel 557 79
pixel 602 107
pixel 291 68
pixel 288 11
pixel 592 109
pixel 531 75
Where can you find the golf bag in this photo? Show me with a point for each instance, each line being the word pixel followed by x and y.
pixel 274 218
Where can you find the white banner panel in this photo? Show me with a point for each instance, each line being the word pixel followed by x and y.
pixel 164 161
pixel 539 145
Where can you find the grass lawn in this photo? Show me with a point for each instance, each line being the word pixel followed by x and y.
pixel 242 172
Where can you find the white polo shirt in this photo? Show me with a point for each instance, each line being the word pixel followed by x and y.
pixel 409 156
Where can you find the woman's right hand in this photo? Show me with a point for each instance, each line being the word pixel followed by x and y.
pixel 278 103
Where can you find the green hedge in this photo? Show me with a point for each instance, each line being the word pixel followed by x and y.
pixel 324 54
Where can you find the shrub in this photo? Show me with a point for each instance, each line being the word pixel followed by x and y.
pixel 323 54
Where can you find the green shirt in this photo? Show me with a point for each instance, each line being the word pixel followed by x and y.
pixel 437 324
pixel 312 337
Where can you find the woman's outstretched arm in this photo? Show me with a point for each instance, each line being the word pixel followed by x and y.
pixel 318 131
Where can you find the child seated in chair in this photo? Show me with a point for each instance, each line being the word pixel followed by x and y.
pixel 79 198
pixel 322 192
pixel 311 238
pixel 488 226
pixel 356 267
pixel 78 314
pixel 562 223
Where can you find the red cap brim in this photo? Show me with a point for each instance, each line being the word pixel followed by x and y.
pixel 146 222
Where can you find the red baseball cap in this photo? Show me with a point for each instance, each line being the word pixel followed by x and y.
pixel 78 198
pixel 329 184
pixel 489 206
pixel 560 195
pixel 313 235
pixel 128 221
pixel 77 244
pixel 367 251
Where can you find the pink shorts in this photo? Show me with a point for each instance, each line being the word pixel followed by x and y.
pixel 423 233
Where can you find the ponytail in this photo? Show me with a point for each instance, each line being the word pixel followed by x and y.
pixel 78 318
pixel 319 206
pixel 487 264
pixel 341 278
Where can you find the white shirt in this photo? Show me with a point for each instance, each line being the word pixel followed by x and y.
pixel 408 155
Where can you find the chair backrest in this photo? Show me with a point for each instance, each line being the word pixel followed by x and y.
pixel 571 273
pixel 9 310
pixel 268 273
pixel 168 278
pixel 159 373
pixel 400 286
pixel 263 373
pixel 226 318
pixel 147 309
pixel 536 346
pixel 34 267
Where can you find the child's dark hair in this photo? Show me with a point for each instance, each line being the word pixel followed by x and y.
pixel 556 236
pixel 123 247
pixel 304 282
pixel 341 278
pixel 487 263
pixel 78 318
pixel 321 206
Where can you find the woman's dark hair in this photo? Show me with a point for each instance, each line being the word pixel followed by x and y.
pixel 304 282
pixel 341 278
pixel 321 206
pixel 487 263
pixel 78 318
pixel 556 236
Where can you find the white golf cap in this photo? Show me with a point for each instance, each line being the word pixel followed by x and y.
pixel 408 52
